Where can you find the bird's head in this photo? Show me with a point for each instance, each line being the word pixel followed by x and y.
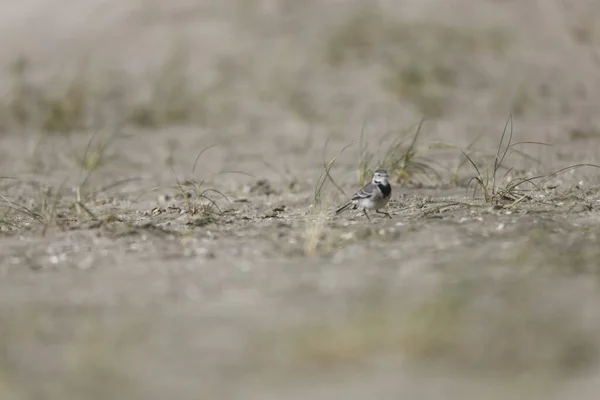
pixel 380 177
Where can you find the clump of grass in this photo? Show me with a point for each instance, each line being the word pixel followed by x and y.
pixel 78 101
pixel 60 109
pixel 196 195
pixel 325 177
pixel 423 83
pixel 51 206
pixel 286 174
pixel 355 38
pixel 67 111
pixel 368 32
pixel 514 190
pixel 316 228
pixel 490 183
pixel 401 157
pixel 422 60
pixel 171 100
pixel 43 208
pixel 200 200
pixel 454 178
pixel 94 157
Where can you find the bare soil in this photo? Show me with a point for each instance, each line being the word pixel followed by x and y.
pixel 117 281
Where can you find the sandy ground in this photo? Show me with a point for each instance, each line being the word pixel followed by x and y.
pixel 114 284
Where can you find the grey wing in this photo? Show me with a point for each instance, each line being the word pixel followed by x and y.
pixel 367 191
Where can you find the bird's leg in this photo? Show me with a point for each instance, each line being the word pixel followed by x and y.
pixel 384 213
pixel 367 215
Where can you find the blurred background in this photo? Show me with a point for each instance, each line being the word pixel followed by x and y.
pixel 249 65
pixel 134 312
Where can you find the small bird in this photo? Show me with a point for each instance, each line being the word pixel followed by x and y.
pixel 372 196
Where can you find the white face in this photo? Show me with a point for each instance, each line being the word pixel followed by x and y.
pixel 380 176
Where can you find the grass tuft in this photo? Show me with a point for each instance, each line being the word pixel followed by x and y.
pixel 60 109
pixel 85 99
pixel 402 157
pixel 51 206
pixel 325 176
pixel 489 182
pixel 199 199
pixel 498 189
pixel 316 234
pixel 171 100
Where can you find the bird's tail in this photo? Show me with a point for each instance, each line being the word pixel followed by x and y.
pixel 342 208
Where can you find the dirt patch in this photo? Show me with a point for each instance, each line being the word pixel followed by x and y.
pixel 139 261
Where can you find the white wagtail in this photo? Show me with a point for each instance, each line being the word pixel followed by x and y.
pixel 372 196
